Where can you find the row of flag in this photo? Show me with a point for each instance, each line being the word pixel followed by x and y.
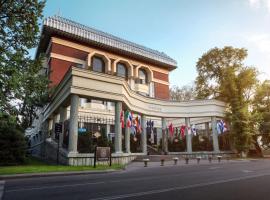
pixel 133 123
pixel 136 126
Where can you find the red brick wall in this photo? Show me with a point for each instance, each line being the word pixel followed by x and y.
pixel 68 51
pixel 161 76
pixel 58 68
pixel 162 91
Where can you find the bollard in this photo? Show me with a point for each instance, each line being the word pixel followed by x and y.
pixel 162 162
pixel 146 160
pixel 219 158
pixel 186 159
pixel 210 159
pixel 175 159
pixel 198 159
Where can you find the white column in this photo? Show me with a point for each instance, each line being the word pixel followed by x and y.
pixel 215 134
pixel 73 123
pixel 143 135
pixel 164 136
pixel 127 137
pixel 63 117
pixel 188 136
pixel 118 128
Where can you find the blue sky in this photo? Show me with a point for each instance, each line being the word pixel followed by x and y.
pixel 183 29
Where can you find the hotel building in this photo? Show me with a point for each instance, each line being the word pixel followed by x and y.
pixel 95 77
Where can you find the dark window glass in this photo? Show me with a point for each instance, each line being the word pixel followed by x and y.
pixel 98 64
pixel 121 70
pixel 142 76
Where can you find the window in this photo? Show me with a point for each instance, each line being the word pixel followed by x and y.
pixel 121 70
pixel 142 76
pixel 98 64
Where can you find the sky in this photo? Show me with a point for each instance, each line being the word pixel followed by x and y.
pixel 183 29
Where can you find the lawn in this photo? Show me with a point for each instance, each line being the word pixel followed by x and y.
pixel 34 165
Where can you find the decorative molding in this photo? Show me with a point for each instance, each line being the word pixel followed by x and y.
pixel 161 82
pixel 67 58
pixel 109 55
pixel 92 35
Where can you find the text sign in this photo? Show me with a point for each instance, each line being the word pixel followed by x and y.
pixel 82 130
pixel 57 130
pixel 103 153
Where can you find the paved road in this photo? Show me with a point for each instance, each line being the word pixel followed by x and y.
pixel 246 180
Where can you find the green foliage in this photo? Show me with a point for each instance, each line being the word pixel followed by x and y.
pixel 222 75
pixel 261 105
pixel 22 81
pixel 12 141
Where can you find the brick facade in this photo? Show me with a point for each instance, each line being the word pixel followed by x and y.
pixel 162 91
pixel 58 69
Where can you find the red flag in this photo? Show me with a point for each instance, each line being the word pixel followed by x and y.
pixel 171 129
pixel 182 131
pixel 122 119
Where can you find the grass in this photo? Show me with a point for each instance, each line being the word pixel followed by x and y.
pixel 34 165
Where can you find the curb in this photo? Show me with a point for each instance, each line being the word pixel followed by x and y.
pixel 2 186
pixel 50 174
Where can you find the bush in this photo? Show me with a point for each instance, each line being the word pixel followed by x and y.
pixel 12 141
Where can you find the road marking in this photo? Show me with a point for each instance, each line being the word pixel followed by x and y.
pixel 2 186
pixel 94 183
pixel 246 171
pixel 214 167
pixel 177 188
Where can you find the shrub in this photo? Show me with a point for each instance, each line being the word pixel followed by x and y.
pixel 12 141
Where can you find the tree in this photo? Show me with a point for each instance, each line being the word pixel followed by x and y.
pixel 184 93
pixel 261 111
pixel 23 85
pixel 12 141
pixel 222 75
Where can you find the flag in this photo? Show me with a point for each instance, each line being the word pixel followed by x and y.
pixel 129 117
pixel 122 119
pixel 138 124
pixel 193 129
pixel 171 129
pixel 182 131
pixel 221 127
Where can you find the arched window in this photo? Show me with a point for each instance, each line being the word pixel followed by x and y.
pixel 98 64
pixel 121 70
pixel 143 76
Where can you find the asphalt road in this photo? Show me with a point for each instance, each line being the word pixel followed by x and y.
pixel 246 180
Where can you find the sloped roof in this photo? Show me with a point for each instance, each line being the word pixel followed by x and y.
pixel 74 30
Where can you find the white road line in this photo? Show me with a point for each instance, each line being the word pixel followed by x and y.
pixel 214 167
pixel 94 183
pixel 2 186
pixel 177 188
pixel 247 171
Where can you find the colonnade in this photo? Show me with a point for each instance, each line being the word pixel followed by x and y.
pixel 73 129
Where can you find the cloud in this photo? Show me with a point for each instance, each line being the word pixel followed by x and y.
pixel 260 41
pixel 257 4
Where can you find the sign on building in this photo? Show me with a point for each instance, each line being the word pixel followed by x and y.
pixel 103 154
pixel 57 130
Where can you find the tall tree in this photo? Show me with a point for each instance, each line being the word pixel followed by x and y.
pixel 184 93
pixel 23 85
pixel 261 112
pixel 222 75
